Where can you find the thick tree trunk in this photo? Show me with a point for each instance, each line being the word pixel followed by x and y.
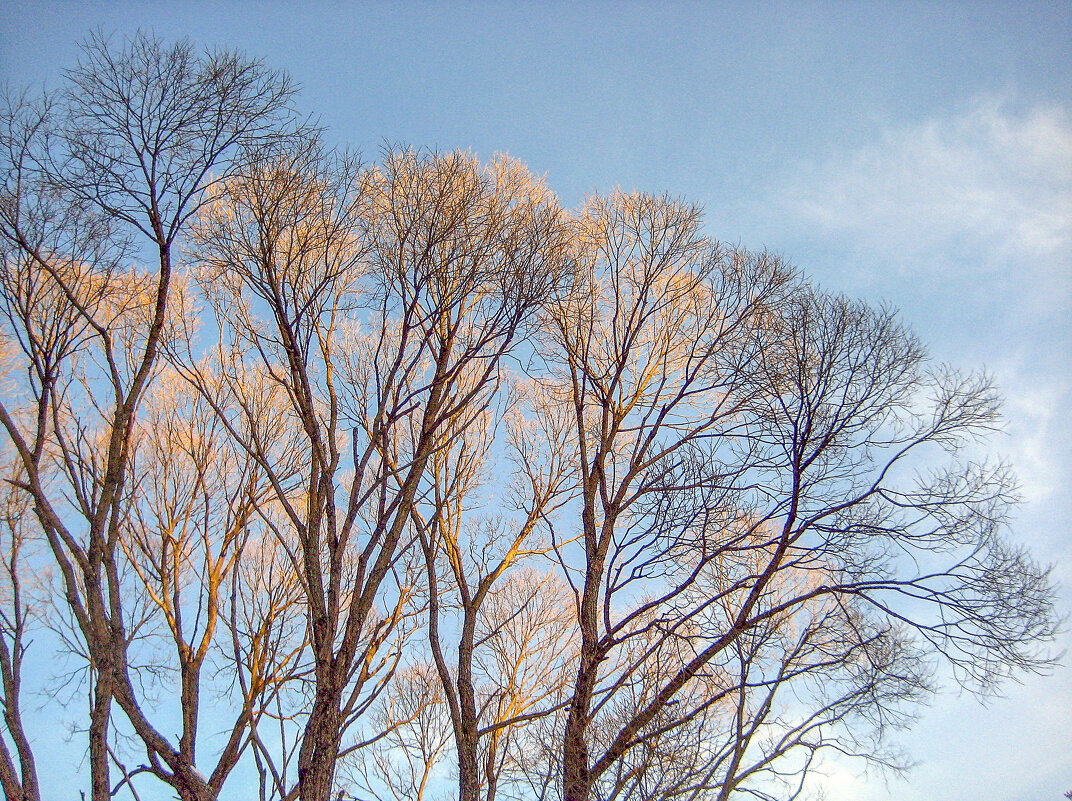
pixel 99 716
pixel 465 734
pixel 320 747
pixel 576 777
pixel 468 772
pixel 576 761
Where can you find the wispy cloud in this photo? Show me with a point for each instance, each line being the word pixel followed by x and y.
pixel 990 181
pixel 1038 431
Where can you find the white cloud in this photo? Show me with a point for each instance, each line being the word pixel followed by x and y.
pixel 1037 428
pixel 990 180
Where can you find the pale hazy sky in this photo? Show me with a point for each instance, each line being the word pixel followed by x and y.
pixel 913 153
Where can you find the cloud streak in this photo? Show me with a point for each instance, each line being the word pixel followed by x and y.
pixel 987 181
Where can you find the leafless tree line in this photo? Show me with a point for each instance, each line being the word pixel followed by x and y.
pixel 397 480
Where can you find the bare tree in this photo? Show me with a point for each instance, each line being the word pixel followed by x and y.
pixel 527 654
pixel 392 296
pixel 756 719
pixel 196 513
pixel 127 148
pixel 18 767
pixel 410 734
pixel 503 624
pixel 731 420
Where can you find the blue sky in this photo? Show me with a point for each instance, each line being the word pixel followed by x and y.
pixel 919 154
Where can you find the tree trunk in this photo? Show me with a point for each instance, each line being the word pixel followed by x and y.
pixel 320 747
pixel 465 734
pixel 468 773
pixel 576 779
pixel 99 716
